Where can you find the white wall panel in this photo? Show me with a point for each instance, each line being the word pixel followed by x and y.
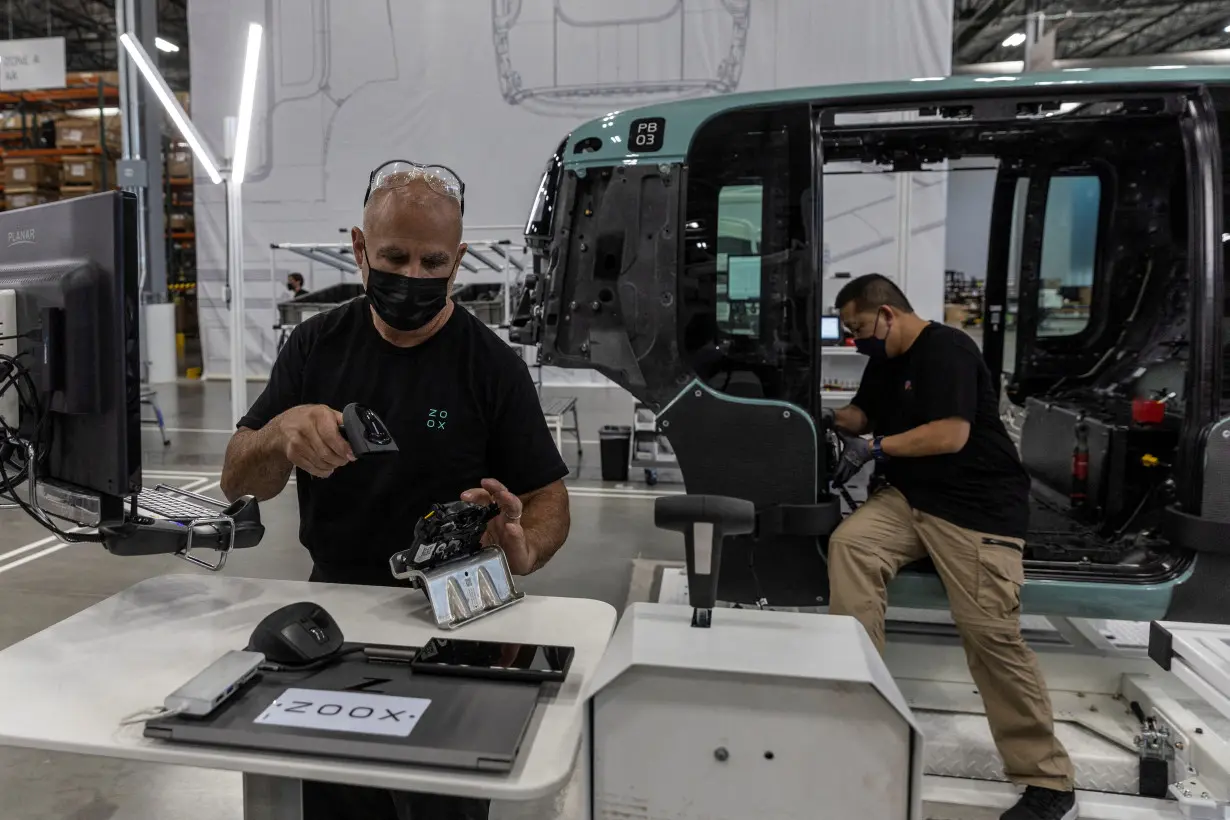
pixel 488 88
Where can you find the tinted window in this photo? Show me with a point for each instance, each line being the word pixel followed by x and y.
pixel 1069 250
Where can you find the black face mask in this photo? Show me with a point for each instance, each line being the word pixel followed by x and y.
pixel 405 303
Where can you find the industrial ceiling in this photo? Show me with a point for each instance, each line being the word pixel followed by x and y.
pixel 88 26
pixel 1089 29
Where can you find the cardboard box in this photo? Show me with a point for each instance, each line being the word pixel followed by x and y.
pixel 27 173
pixel 85 170
pixel 24 199
pixel 74 133
pixel 179 164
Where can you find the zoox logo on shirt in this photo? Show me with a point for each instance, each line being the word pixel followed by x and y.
pixel 436 419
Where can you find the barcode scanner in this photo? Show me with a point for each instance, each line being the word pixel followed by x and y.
pixel 366 431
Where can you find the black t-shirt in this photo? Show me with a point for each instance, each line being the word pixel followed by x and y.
pixel 982 487
pixel 461 407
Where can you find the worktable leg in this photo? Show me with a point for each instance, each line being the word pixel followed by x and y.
pixel 585 772
pixel 272 798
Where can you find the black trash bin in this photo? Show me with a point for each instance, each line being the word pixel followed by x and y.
pixel 615 441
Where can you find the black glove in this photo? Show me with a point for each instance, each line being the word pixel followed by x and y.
pixel 855 452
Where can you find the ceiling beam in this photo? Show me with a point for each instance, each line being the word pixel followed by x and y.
pixel 1105 44
pixel 982 18
pixel 1171 39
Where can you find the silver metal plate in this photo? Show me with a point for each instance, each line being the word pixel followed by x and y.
pixel 466 590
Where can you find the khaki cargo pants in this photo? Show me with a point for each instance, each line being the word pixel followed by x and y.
pixel 983 580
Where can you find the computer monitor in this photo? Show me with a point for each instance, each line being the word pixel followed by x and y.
pixel 69 294
pixel 830 330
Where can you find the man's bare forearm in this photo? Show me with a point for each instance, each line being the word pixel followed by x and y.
pixel 255 464
pixel 545 519
pixel 851 419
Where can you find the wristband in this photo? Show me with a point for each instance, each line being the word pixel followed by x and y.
pixel 877 448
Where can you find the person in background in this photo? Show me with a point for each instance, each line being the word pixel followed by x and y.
pixel 956 493
pixel 459 402
pixel 294 283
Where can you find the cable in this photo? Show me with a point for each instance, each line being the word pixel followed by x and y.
pixel 19 374
pixel 148 714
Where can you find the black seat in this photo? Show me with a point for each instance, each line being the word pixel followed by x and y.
pixel 766 452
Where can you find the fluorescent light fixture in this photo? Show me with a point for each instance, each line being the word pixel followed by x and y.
pixel 1015 39
pixel 1166 67
pixel 926 79
pixel 1081 68
pixel 165 45
pixel 108 111
pixel 174 110
pixel 247 100
pixel 995 79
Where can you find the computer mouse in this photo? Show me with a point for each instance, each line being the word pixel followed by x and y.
pixel 297 634
pixel 366 431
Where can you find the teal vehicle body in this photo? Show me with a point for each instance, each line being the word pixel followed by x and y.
pixel 625 285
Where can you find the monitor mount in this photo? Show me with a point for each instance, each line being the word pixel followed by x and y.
pixel 463 580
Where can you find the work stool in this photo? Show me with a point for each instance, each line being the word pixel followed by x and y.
pixel 554 409
pixel 149 398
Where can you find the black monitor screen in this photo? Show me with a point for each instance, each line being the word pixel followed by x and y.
pixel 70 270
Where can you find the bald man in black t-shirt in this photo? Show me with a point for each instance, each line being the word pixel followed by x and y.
pixel 458 401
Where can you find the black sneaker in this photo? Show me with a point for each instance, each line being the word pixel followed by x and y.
pixel 1042 804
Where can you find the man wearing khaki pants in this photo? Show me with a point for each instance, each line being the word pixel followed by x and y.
pixel 956 493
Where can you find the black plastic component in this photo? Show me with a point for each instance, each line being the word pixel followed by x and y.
pixel 615 445
pixel 297 634
pixel 799 519
pixel 445 533
pixel 163 536
pixel 1161 645
pixel 1154 777
pixel 690 514
pixel 366 431
pixel 1192 532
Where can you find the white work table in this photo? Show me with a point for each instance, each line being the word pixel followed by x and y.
pixel 67 688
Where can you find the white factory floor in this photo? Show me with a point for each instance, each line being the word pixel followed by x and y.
pixel 43 581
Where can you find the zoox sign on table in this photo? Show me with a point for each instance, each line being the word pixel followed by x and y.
pixel 30 64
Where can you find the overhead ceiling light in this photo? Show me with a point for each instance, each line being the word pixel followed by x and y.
pixel 1166 67
pixel 1079 68
pixel 926 79
pixel 165 45
pixel 247 100
pixel 1015 39
pixel 174 110
pixel 995 79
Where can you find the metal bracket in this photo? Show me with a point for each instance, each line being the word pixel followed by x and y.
pixel 1196 802
pixel 466 589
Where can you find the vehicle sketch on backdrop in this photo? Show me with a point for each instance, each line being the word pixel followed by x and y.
pixel 596 59
pixel 697 281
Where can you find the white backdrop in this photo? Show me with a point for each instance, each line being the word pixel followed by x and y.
pixel 488 87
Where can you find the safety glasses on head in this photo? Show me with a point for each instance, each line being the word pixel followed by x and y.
pixel 399 172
